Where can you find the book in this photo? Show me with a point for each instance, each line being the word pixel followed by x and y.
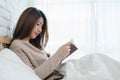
pixel 73 47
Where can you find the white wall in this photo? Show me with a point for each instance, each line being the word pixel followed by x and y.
pixel 10 11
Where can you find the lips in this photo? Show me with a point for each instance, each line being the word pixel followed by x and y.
pixel 36 33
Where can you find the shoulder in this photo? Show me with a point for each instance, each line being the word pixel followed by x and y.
pixel 22 45
pixel 16 43
pixel 18 47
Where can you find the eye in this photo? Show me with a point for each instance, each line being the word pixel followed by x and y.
pixel 38 24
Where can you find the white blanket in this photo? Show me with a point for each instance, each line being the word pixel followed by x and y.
pixel 91 67
pixel 12 68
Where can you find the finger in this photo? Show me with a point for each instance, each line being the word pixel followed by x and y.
pixel 68 47
pixel 68 43
pixel 68 50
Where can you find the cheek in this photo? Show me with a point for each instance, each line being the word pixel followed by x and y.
pixel 32 33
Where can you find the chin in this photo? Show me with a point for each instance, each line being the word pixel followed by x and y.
pixel 33 37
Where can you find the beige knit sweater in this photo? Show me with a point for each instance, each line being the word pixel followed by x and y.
pixel 36 59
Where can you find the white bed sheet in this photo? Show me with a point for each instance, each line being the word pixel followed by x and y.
pixel 12 68
pixel 91 67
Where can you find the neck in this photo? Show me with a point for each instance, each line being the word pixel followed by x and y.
pixel 26 39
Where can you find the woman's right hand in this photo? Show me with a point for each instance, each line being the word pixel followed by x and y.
pixel 65 49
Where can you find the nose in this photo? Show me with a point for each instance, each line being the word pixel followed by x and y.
pixel 39 29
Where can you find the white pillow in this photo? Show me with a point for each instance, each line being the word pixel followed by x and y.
pixel 12 68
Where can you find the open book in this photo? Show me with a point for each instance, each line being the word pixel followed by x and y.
pixel 72 47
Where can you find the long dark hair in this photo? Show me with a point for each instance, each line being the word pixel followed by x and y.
pixel 25 25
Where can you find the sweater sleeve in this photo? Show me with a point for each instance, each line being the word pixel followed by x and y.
pixel 45 68
pixel 50 65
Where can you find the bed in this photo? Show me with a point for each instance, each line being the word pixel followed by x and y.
pixel 94 66
pixel 4 42
pixel 11 67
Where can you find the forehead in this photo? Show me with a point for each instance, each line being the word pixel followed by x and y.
pixel 41 20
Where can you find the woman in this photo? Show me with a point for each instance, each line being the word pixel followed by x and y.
pixel 29 40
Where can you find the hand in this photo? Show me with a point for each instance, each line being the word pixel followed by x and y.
pixel 65 49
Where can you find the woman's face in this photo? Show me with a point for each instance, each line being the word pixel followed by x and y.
pixel 37 29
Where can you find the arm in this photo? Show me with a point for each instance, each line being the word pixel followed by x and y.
pixel 50 65
pixel 53 62
pixel 45 68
